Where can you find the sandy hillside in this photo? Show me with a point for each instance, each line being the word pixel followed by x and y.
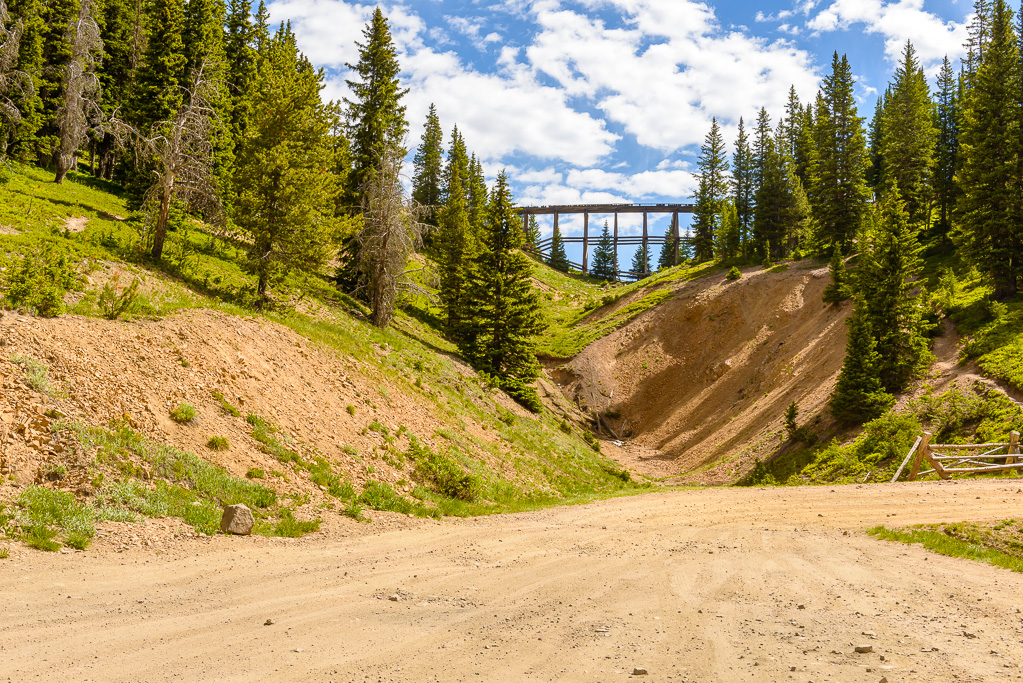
pixel 702 381
pixel 708 585
pixel 136 372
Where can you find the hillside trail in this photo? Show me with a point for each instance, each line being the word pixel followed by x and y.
pixel 948 370
pixel 734 584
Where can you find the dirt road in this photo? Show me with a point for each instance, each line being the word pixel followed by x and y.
pixel 711 585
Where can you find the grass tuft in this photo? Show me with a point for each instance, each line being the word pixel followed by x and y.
pixel 945 544
pixel 183 413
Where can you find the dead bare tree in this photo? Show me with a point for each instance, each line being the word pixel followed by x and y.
pixel 80 108
pixel 391 234
pixel 180 151
pixel 12 81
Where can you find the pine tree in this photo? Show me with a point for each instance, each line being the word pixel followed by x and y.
pixel 791 126
pixel 429 165
pixel 772 203
pixel 888 272
pixel 240 60
pixel 532 232
pixel 557 259
pixel 806 150
pixel 22 136
pixel 79 108
pixel 376 117
pixel 947 151
pixel 605 265
pixel 506 307
pixel 908 137
pixel 743 190
pixel 457 250
pixel 285 200
pixel 641 262
pixel 120 21
pixel 729 237
pixel 711 192
pixel 875 146
pixel 989 210
pixel 839 289
pixel 838 188
pixel 162 72
pixel 859 396
pixel 15 84
pixel 669 249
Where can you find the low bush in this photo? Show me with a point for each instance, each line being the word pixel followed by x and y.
pixel 183 413
pixel 39 280
pixel 734 274
pixel 218 443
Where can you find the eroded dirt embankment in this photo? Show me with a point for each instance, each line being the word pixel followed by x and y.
pixel 702 381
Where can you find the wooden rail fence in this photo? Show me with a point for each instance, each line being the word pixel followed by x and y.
pixel 949 459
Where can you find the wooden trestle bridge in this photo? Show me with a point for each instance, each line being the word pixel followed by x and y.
pixel 542 248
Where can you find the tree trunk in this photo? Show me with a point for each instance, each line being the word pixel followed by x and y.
pixel 161 221
pixel 61 164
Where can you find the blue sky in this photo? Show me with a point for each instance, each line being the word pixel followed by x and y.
pixel 609 100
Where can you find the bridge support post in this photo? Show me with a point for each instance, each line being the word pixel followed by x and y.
pixel 646 251
pixel 674 238
pixel 616 246
pixel 586 241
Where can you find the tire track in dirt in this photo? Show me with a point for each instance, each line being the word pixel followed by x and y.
pixel 701 585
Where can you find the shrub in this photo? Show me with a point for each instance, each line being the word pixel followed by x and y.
pixel 183 413
pixel 113 305
pixel 446 475
pixel 593 441
pixel 351 410
pixel 39 281
pixel 255 473
pixel 734 274
pixel 218 443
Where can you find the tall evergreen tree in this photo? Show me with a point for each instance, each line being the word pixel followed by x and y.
pixel 888 272
pixel 641 262
pixel 729 237
pixel 947 150
pixel 875 150
pixel 859 396
pixel 79 108
pixel 557 259
pixel 429 165
pixel 989 209
pixel 162 73
pixel 839 289
pixel 457 250
pixel 285 200
pixel 838 188
pixel 22 135
pixel 743 189
pixel 506 307
pixel 120 21
pixel 711 192
pixel 605 265
pixel 376 117
pixel 240 61
pixel 908 137
pixel 669 249
pixel 15 84
pixel 791 125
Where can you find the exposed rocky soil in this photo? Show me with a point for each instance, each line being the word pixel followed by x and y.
pixel 702 381
pixel 136 372
pixel 701 585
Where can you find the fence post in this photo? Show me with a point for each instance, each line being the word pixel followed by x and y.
pixel 912 452
pixel 924 449
pixel 1013 448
